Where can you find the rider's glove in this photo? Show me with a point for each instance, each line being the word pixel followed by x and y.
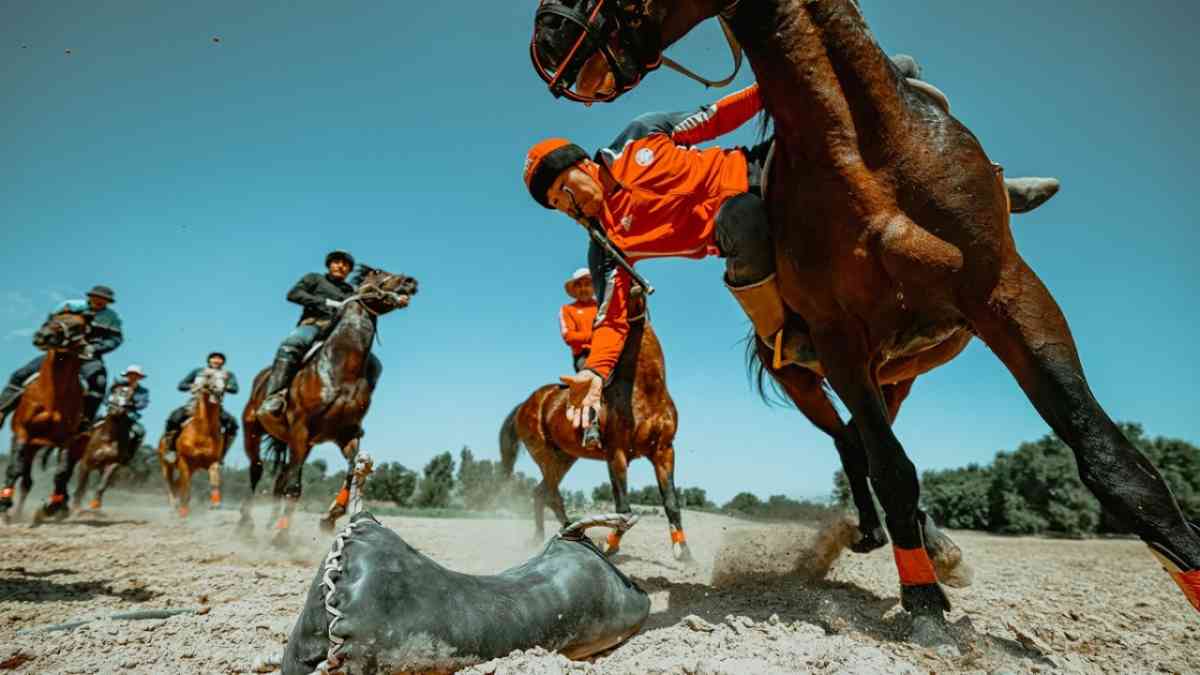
pixel 335 304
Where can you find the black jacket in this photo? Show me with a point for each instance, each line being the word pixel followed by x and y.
pixel 311 292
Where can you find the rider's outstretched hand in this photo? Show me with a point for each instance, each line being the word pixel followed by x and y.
pixel 586 389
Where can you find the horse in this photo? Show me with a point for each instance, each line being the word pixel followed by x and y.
pixel 200 445
pixel 106 446
pixel 893 247
pixel 50 415
pixel 638 419
pixel 327 399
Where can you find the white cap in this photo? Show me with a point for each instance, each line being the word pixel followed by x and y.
pixel 581 273
pixel 134 369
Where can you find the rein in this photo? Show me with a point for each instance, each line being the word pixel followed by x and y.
pixel 735 49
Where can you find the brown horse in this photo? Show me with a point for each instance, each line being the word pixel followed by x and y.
pixel 200 445
pixel 50 414
pixel 327 399
pixel 892 238
pixel 107 446
pixel 638 419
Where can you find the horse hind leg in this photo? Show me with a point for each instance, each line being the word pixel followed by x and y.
pixel 618 475
pixel 105 481
pixel 1024 326
pixel 341 501
pixel 664 472
pixel 252 437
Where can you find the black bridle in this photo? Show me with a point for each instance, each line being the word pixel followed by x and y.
pixel 607 27
pixel 615 29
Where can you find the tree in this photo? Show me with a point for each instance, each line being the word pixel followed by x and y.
pixel 958 498
pixel 743 502
pixel 694 497
pixel 602 493
pixel 437 486
pixel 478 481
pixel 391 482
pixel 842 495
pixel 1038 488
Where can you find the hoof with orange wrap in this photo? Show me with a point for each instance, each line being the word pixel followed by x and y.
pixel 614 543
pixel 94 505
pixel 215 498
pixel 679 547
pixel 183 512
pixel 1188 582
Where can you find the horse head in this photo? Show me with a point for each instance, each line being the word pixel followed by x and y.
pixel 66 331
pixel 210 384
pixel 380 291
pixel 119 401
pixel 596 50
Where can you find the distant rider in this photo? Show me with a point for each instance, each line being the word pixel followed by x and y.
pixel 229 425
pixel 575 318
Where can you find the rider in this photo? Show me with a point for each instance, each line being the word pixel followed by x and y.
pixel 656 195
pixel 104 335
pixel 575 318
pixel 229 425
pixel 321 296
pixel 132 378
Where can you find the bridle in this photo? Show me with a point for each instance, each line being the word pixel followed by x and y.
pixel 612 28
pixel 60 334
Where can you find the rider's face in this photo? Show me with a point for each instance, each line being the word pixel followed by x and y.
pixel 216 362
pixel 339 269
pixel 586 191
pixel 582 289
pixel 133 379
pixel 97 303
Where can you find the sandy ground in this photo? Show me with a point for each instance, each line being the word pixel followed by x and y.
pixel 1036 606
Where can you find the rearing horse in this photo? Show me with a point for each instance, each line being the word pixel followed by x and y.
pixel 200 445
pixel 327 399
pixel 638 419
pixel 50 414
pixel 891 230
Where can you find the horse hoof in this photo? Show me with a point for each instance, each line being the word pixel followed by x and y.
pixel 281 540
pixel 94 505
pixel 183 512
pixel 932 632
pixel 682 553
pixel 327 525
pixel 947 557
pixel 870 540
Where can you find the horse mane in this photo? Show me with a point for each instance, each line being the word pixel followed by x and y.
pixel 361 274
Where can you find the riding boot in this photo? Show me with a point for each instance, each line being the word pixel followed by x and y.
pixel 277 383
pixel 763 304
pixel 1026 194
pixel 9 398
pixel 91 404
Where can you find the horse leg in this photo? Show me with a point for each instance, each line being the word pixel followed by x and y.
pixel 214 480
pixel 664 471
pixel 58 504
pixel 168 473
pixel 618 469
pixel 1024 326
pixel 105 481
pixel 552 479
pixel 81 483
pixel 17 470
pixel 251 439
pixel 337 508
pixel 290 483
pixel 539 512
pixel 184 486
pixel 843 350
pixel 804 388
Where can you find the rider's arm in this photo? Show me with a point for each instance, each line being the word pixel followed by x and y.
pixel 231 385
pixel 186 383
pixel 718 119
pixel 612 321
pixel 105 338
pixel 303 293
pixel 141 398
pixel 689 128
pixel 574 335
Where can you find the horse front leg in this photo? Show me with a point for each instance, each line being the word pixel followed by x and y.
pixel 1023 325
pixel 842 347
pixel 184 486
pixel 618 475
pixel 664 472
pixel 58 505
pixel 289 484
pixel 252 439
pixel 17 470
pixel 168 474
pixel 337 508
pixel 214 480
pixel 81 484
pixel 105 481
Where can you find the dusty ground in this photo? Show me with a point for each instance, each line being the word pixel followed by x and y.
pixel 1036 606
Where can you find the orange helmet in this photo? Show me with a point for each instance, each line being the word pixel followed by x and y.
pixel 545 161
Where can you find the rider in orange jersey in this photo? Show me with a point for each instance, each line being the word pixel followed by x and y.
pixel 575 318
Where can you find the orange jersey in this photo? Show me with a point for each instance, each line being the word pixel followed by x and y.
pixel 575 324
pixel 667 200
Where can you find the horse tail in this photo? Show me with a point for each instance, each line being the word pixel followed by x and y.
pixel 762 378
pixel 510 442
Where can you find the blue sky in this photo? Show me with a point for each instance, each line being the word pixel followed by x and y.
pixel 201 179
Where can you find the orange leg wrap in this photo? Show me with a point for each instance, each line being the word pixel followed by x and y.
pixel 94 505
pixel 343 498
pixel 183 512
pixel 614 541
pixel 282 523
pixel 1188 582
pixel 216 497
pixel 677 537
pixel 914 566
pixel 57 499
pixel 7 493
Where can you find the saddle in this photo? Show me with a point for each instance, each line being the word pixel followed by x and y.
pixel 377 605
